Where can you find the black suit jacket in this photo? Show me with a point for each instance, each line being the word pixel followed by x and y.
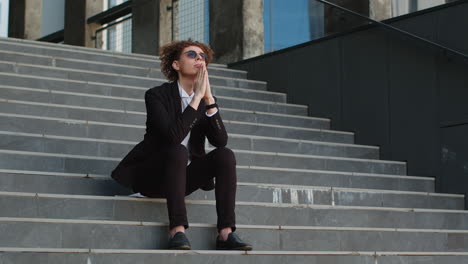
pixel 167 125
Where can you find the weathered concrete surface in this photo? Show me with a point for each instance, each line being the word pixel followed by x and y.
pixel 93 7
pixel 226 26
pixel 25 19
pixel 252 12
pixel 236 29
pixel 380 9
pixel 145 27
pixel 166 11
pixel 32 25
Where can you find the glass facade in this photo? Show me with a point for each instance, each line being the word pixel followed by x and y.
pixel 288 23
pixel 112 3
pixel 53 16
pixel 193 20
pixel 118 34
pixel 4 18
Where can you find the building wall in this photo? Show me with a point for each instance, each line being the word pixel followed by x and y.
pixel 389 89
pixel 288 23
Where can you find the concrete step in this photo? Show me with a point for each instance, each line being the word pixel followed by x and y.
pixel 101 147
pixel 334 178
pixel 113 78
pixel 283 145
pixel 241 106
pixel 90 184
pixel 68 106
pixel 313 195
pixel 57 85
pixel 107 256
pixel 65 206
pixel 112 130
pixel 58 162
pixel 89 54
pixel 40 45
pixel 302 161
pixel 92 65
pixel 74 48
pixel 258 192
pixel 58 233
pixel 303 217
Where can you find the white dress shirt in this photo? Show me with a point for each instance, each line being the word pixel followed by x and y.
pixel 186 99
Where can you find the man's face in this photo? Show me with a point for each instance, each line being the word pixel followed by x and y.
pixel 190 61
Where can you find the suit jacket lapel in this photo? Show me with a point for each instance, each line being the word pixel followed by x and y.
pixel 177 100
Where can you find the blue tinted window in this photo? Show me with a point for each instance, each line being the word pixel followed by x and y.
pixel 112 3
pixel 288 23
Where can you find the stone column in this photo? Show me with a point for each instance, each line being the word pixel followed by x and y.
pixel 145 26
pixel 175 19
pixel 380 9
pixel 166 10
pixel 25 19
pixel 236 29
pixel 93 7
pixel 252 12
pixel 75 22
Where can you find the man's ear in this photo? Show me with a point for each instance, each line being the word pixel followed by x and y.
pixel 175 65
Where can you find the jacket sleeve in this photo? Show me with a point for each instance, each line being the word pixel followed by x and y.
pixel 162 123
pixel 215 131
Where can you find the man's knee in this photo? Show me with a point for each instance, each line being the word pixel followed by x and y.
pixel 224 156
pixel 176 153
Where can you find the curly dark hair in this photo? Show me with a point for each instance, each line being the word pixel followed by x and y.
pixel 171 52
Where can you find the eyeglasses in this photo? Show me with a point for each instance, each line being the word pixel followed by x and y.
pixel 193 55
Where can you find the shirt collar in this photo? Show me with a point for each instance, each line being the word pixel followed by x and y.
pixel 183 93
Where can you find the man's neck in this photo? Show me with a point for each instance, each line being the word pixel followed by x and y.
pixel 186 84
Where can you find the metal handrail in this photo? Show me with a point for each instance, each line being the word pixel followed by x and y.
pixel 112 13
pixel 454 123
pixel 113 23
pixel 109 25
pixel 387 26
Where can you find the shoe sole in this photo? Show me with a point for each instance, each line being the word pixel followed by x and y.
pixel 184 247
pixel 246 248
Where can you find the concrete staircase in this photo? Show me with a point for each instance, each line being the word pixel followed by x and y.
pixel 306 194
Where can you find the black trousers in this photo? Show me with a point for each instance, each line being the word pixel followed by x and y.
pixel 179 180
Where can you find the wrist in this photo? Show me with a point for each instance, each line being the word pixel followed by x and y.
pixel 209 100
pixel 198 97
pixel 211 106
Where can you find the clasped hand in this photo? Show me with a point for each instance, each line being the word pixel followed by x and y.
pixel 201 86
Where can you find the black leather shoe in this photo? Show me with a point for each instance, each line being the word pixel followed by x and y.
pixel 233 242
pixel 179 241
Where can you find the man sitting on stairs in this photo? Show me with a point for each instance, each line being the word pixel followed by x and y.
pixel 171 161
